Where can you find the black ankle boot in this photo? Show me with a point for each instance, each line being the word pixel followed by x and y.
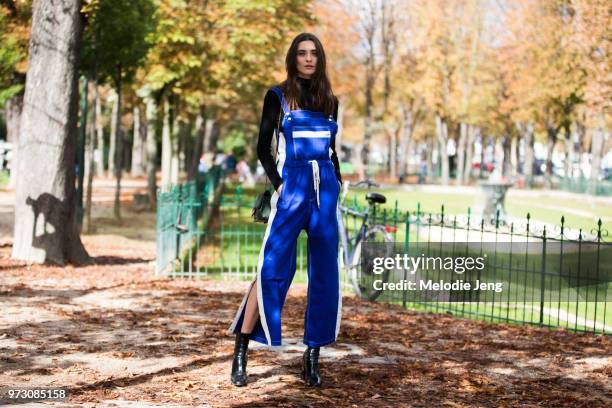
pixel 239 375
pixel 310 367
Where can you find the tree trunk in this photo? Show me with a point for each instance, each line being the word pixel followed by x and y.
pixel 597 145
pixel 507 163
pixel 212 134
pixel 469 150
pixel 13 107
pixel 514 158
pixel 569 153
pixel 151 143
pixel 405 139
pixel 166 152
pixel 99 152
pixel 179 137
pixel 483 146
pixel 174 143
pixel 461 146
pixel 527 133
pixel 364 152
pixel 199 135
pixel 113 134
pixel 45 210
pixel 578 146
pixel 185 146
pixel 442 133
pixel 138 146
pixel 209 130
pixel 91 148
pixel 81 152
pixel 118 156
pixel 88 141
pixel 392 132
pixel 339 134
pixel 430 152
pixel 371 22
pixel 551 140
pixel 143 137
pixel 126 159
pixel 367 136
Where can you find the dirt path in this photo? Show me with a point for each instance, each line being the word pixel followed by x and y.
pixel 113 331
pixel 115 335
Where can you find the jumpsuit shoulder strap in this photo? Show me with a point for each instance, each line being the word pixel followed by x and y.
pixel 284 105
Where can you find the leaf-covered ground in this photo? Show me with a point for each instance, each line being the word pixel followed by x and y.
pixel 116 335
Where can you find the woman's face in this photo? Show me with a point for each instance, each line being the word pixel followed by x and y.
pixel 306 58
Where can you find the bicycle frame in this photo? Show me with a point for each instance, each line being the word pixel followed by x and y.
pixel 360 235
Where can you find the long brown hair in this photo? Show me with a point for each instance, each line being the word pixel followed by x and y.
pixel 323 97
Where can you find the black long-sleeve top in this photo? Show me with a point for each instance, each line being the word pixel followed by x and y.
pixel 269 118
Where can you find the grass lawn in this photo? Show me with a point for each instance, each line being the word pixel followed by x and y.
pixel 4 178
pixel 578 213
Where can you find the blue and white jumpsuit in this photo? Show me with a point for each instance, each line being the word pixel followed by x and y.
pixel 308 200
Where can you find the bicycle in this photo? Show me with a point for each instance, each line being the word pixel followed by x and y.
pixel 350 259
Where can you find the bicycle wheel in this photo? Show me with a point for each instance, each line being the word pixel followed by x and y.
pixel 362 276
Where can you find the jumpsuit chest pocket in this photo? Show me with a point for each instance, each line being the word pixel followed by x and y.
pixel 310 141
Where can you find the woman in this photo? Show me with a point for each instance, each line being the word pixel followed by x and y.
pixel 306 177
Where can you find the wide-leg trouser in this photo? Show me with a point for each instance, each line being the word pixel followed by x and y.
pixel 295 209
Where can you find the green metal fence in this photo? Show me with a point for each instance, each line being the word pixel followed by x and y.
pixel 556 277
pixel 229 246
pixel 182 212
pixel 222 242
pixel 584 186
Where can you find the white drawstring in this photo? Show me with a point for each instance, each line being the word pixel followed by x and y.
pixel 315 178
